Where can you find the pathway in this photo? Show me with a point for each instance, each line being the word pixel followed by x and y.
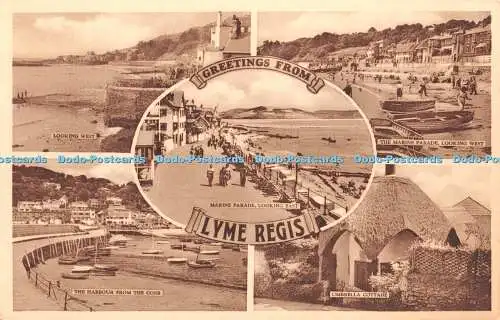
pixel 179 187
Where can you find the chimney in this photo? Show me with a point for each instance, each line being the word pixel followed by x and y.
pixel 390 169
pixel 217 29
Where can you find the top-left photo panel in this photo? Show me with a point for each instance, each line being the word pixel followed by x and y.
pixel 82 81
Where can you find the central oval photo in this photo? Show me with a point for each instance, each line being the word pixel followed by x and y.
pixel 253 146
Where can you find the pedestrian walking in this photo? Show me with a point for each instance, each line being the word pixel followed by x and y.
pixel 348 89
pixel 473 85
pixel 462 99
pixel 243 175
pixel 222 176
pixel 399 91
pixel 227 175
pixel 423 89
pixel 210 175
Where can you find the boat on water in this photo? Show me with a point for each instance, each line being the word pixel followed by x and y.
pixel 75 276
pixel 105 267
pixel 201 264
pixel 152 251
pixel 437 122
pixel 405 106
pixel 176 260
pixel 329 139
pixel 209 252
pixel 82 269
pixel 67 260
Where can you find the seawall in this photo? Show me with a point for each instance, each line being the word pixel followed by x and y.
pixel 25 230
pixel 129 102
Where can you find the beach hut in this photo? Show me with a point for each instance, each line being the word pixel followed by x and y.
pixel 393 215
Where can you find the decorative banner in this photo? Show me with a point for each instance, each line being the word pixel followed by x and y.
pixel 313 82
pixel 250 233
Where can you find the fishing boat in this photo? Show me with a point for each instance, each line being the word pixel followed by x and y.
pixel 82 269
pixel 437 122
pixel 329 139
pixel 209 252
pixel 67 260
pixel 198 241
pixel 162 242
pixel 105 267
pixel 215 244
pixel 112 247
pixel 177 246
pixel 75 276
pixel 176 260
pixel 186 240
pixel 404 106
pixel 201 264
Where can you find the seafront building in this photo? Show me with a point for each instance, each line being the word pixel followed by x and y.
pixel 227 40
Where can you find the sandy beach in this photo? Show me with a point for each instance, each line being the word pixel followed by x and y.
pixel 368 93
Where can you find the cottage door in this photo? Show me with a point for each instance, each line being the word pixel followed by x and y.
pixel 362 272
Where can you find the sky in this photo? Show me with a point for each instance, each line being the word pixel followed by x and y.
pixel 116 173
pixel 293 25
pixel 252 88
pixel 448 184
pixel 47 35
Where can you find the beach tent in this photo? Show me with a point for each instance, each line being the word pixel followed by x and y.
pixel 393 215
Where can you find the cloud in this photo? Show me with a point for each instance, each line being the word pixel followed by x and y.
pixel 98 33
pixel 448 184
pixel 286 27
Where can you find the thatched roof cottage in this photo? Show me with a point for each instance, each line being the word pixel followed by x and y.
pixel 394 214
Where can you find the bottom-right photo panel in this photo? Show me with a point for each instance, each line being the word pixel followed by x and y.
pixel 418 241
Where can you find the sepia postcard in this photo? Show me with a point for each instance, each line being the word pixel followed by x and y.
pixel 262 159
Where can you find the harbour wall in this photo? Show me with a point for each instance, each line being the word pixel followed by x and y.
pixel 25 230
pixel 128 103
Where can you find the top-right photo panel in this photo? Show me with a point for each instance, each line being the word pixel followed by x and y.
pixel 422 78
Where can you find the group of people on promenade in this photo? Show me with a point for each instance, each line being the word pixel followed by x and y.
pixel 225 175
pixel 196 151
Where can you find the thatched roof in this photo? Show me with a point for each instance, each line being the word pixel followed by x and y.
pixel 392 204
pixel 480 213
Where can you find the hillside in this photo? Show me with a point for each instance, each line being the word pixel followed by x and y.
pixel 319 46
pixel 287 113
pixel 28 186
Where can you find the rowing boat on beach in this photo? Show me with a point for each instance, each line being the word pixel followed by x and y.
pixel 75 276
pixel 437 122
pixel 82 269
pixel 405 106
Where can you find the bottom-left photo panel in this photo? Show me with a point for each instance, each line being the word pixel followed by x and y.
pixel 84 239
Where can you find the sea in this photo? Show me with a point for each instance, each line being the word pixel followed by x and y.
pixel 83 87
pixel 352 136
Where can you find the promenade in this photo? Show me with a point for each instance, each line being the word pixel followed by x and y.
pixel 179 187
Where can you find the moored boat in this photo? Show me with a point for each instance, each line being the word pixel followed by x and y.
pixel 192 249
pixel 437 122
pixel 177 246
pixel 75 276
pixel 162 242
pixel 209 252
pixel 67 260
pixel 152 251
pixel 201 264
pixel 403 106
pixel 176 260
pixel 82 269
pixel 105 267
